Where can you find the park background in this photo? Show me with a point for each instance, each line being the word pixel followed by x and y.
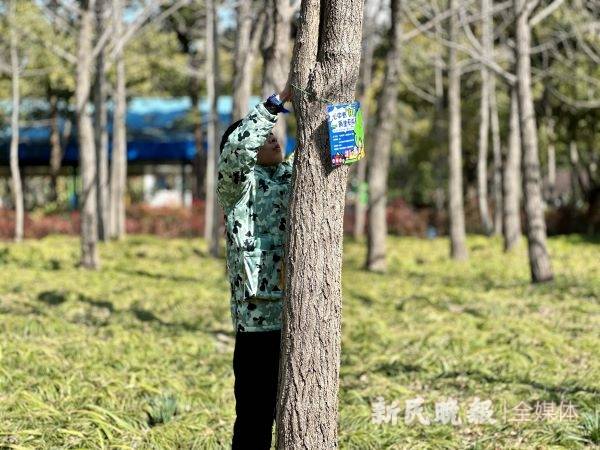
pixel 116 331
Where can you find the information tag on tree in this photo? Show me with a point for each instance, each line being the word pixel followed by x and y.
pixel 346 133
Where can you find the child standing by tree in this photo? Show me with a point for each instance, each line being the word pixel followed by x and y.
pixel 253 188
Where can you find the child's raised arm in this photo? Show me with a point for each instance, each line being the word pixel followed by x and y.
pixel 238 157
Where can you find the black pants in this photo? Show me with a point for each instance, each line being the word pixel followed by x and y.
pixel 256 370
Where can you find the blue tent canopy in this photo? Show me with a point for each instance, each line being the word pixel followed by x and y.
pixel 158 131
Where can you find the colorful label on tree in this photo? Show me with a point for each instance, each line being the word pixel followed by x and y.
pixel 346 133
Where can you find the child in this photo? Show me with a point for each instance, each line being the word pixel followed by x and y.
pixel 253 187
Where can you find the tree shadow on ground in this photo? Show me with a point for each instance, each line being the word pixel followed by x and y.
pixel 160 276
pixel 53 298
pixel 144 315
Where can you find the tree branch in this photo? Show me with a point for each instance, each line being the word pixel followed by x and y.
pixel 548 10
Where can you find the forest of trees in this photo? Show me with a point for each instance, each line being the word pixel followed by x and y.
pixel 467 104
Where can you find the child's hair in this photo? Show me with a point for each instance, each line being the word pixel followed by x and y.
pixel 228 131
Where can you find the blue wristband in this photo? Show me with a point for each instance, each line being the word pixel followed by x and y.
pixel 277 103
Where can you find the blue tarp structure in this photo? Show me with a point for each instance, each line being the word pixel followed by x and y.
pixel 158 131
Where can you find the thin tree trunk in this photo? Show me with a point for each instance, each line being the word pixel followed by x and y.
pixel 326 62
pixel 118 176
pixel 243 58
pixel 276 56
pixel 382 143
pixel 458 247
pixel 87 152
pixel 440 161
pixel 211 231
pixel 194 94
pixel 497 153
pixel 366 74
pixel 15 172
pixel 512 179
pixel 101 131
pixel 484 120
pixel 539 259
pixel 242 77
pixel 56 152
pixel 551 157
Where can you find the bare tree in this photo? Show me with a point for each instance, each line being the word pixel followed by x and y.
pixel 58 140
pixel 211 217
pixel 539 259
pixel 276 54
pixel 250 26
pixel 325 63
pixel 497 153
pixel 366 74
pixel 512 178
pixel 382 143
pixel 118 175
pixel 458 247
pixel 100 127
pixel 85 133
pixel 484 119
pixel 15 172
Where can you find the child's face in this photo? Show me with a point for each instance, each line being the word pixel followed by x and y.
pixel 270 154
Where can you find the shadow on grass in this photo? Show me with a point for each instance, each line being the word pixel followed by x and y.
pixel 144 315
pixel 160 276
pixel 56 298
pixel 97 303
pixel 570 388
pixel 52 298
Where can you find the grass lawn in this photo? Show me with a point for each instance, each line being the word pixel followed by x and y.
pixel 138 354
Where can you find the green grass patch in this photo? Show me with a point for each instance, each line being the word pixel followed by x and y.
pixel 138 354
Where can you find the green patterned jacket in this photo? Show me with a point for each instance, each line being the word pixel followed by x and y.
pixel 255 201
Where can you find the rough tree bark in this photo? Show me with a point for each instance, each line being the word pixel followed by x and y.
pixel 276 58
pixel 484 120
pixel 458 247
pixel 366 74
pixel 85 132
pixel 512 179
pixel 249 29
pixel 101 130
pixel 325 62
pixel 211 217
pixel 382 143
pixel 15 173
pixel 539 260
pixel 118 175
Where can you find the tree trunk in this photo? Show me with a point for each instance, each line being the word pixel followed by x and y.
pixel 497 151
pixel 484 119
pixel 56 152
pixel 326 62
pixel 249 29
pixel 276 56
pixel 211 218
pixel 366 74
pixel 15 172
pixel 101 131
pixel 512 179
pixel 118 175
pixel 458 248
pixel 551 158
pixel 194 94
pixel 539 259
pixel 439 124
pixel 382 143
pixel 87 152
